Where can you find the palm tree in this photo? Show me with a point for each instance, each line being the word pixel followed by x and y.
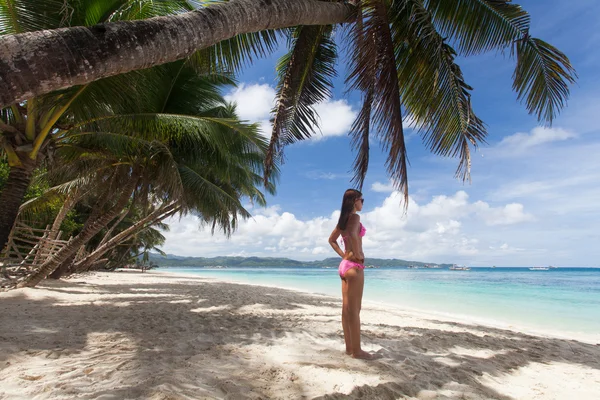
pixel 179 149
pixel 404 65
pixel 27 127
pixel 405 53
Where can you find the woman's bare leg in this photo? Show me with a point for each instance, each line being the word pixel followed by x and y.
pixel 355 279
pixel 345 324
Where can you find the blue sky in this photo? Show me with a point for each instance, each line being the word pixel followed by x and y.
pixel 534 194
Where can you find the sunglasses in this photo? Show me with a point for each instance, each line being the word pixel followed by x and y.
pixel 361 200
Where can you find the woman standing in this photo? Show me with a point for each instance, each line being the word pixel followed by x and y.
pixel 351 269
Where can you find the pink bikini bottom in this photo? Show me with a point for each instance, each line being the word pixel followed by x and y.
pixel 345 265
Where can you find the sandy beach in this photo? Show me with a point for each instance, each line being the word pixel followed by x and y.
pixel 154 335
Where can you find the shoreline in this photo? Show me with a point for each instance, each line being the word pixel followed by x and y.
pixel 428 313
pixel 163 335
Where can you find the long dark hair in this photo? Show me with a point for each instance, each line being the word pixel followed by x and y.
pixel 350 197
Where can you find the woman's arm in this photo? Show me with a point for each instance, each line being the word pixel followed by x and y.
pixel 353 230
pixel 333 241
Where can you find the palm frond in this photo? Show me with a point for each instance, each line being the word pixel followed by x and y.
pixel 434 91
pixel 220 206
pixel 305 79
pixel 91 12
pixel 18 16
pixel 543 73
pixel 195 134
pixel 189 92
pixel 374 72
pixel 362 76
pixel 231 55
pixel 359 133
pixel 542 77
pixel 479 25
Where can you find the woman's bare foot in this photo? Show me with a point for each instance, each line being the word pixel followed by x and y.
pixel 349 352
pixel 363 355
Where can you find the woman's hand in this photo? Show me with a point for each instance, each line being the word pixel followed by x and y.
pixel 361 258
pixel 358 258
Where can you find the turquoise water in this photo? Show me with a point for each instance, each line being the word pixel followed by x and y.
pixel 564 299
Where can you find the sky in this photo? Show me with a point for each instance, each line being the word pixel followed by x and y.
pixel 533 197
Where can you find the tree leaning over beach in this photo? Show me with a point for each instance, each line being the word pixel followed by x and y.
pixel 28 127
pixel 404 62
pixel 181 150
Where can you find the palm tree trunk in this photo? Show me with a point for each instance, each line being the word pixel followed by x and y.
pixel 152 218
pixel 70 201
pixel 63 268
pixel 35 63
pixel 88 232
pixel 12 195
pixel 108 234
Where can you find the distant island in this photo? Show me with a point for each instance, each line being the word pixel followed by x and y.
pixel 179 261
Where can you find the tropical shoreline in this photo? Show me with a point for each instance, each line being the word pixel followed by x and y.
pixel 161 335
pixel 423 311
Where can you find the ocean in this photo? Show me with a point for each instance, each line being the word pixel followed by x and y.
pixel 563 299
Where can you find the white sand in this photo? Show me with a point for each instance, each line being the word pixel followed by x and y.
pixel 129 335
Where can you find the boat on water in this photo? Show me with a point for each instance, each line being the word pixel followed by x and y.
pixel 539 268
pixel 459 268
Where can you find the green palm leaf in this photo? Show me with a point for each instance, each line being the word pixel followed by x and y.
pixel 542 74
pixel 18 16
pixel 220 205
pixel 479 25
pixel 305 75
pixel 231 55
pixel 434 91
pixel 541 77
pixel 362 76
pixel 375 74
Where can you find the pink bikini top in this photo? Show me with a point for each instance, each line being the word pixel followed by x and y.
pixel 362 231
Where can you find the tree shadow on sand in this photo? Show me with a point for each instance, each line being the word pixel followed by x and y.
pixel 187 338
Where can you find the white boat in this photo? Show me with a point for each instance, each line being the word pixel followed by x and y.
pixel 539 268
pixel 459 268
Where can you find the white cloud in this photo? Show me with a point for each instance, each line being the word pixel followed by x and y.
pixel 336 117
pixel 509 214
pixel 256 101
pixel 539 135
pixel 382 187
pixel 431 232
pixel 316 174
pixel 266 128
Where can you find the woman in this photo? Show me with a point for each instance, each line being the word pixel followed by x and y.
pixel 351 269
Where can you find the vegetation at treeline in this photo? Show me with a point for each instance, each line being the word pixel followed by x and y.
pixel 179 261
pixel 106 161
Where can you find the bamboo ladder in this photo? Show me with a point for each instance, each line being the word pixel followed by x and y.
pixel 26 250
